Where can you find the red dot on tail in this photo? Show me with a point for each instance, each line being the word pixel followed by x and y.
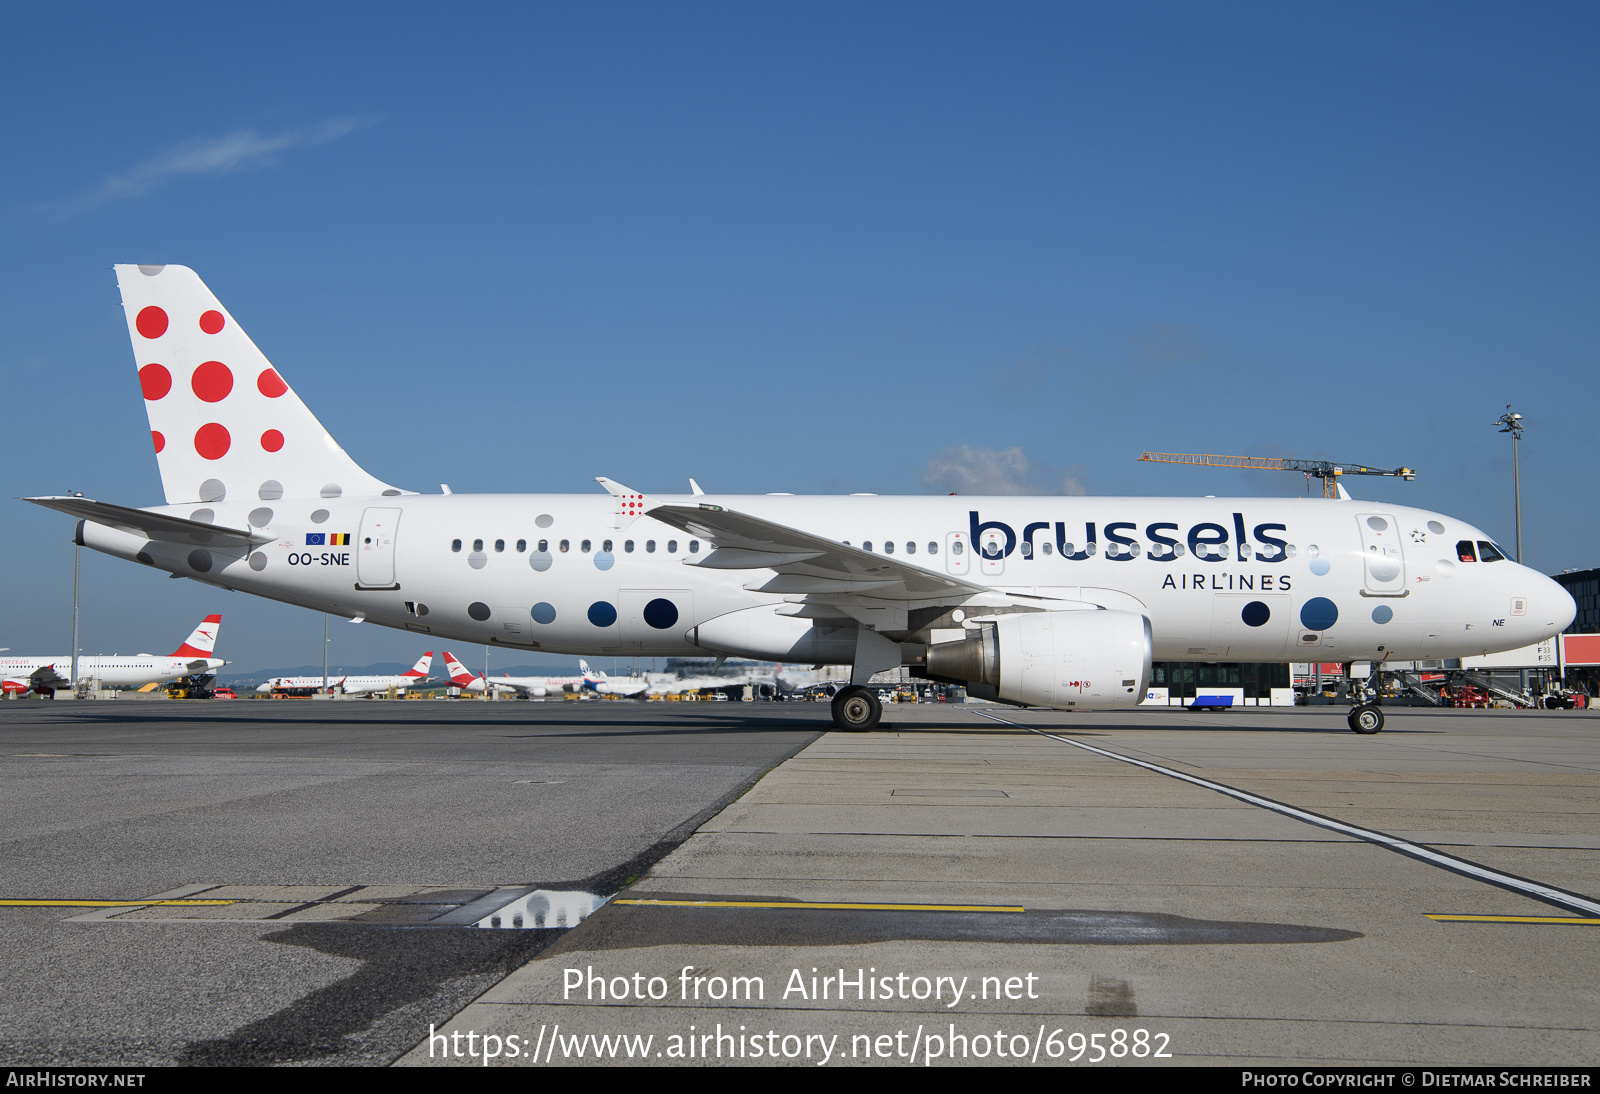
pixel 211 441
pixel 270 384
pixel 155 381
pixel 211 322
pixel 158 440
pixel 272 440
pixel 152 322
pixel 212 381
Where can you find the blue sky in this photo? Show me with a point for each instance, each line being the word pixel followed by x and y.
pixel 818 248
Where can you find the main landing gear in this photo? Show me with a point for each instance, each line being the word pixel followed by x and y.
pixel 856 708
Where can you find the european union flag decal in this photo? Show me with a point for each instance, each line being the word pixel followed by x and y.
pixel 316 539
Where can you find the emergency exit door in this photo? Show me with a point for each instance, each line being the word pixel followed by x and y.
pixel 375 549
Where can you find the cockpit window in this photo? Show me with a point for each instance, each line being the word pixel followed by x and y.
pixel 1488 552
pixel 1465 552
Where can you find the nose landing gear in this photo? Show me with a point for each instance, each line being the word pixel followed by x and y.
pixel 856 708
pixel 1366 718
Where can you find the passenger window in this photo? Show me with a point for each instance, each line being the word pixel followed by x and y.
pixel 1464 551
pixel 1488 552
pixel 1027 549
pixel 500 546
pixel 933 548
pixel 477 545
pixel 584 546
pixel 956 548
pixel 606 546
pixel 544 546
pixel 694 546
pixel 566 545
pixel 911 548
pixel 1046 547
pixel 672 546
pixel 650 546
pixel 627 545
pixel 522 545
pixel 888 546
pixel 866 545
pixel 455 545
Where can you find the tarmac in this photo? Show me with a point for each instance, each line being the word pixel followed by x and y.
pixel 968 884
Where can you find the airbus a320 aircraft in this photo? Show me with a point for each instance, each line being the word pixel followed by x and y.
pixel 1056 602
pixel 536 687
pixel 353 685
pixel 22 674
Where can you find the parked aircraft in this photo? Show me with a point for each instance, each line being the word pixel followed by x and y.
pixel 46 674
pixel 353 685
pixel 1057 602
pixel 536 687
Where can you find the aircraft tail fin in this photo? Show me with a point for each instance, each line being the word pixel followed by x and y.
pixel 422 667
pixel 596 674
pixel 202 641
pixel 224 423
pixel 459 676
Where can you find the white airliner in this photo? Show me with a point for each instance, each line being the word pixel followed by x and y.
pixel 353 685
pixel 22 674
pixel 536 687
pixel 1056 602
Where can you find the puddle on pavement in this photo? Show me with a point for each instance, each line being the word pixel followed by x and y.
pixel 545 909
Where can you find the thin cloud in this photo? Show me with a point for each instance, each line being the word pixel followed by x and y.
pixel 245 150
pixel 962 469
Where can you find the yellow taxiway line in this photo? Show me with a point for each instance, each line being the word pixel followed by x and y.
pixel 103 903
pixel 826 905
pixel 1567 920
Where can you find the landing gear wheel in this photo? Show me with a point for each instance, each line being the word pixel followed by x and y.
pixel 856 708
pixel 1366 719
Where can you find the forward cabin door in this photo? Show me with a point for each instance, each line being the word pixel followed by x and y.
pixel 375 549
pixel 1380 548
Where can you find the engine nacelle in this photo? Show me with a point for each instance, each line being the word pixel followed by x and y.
pixel 1085 660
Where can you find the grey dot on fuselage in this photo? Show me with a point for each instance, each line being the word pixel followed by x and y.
pixel 271 490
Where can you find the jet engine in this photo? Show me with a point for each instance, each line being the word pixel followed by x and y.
pixel 1083 660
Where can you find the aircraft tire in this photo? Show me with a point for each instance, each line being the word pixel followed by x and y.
pixel 1366 719
pixel 856 709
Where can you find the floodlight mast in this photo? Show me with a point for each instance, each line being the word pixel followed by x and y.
pixel 1325 470
pixel 1511 423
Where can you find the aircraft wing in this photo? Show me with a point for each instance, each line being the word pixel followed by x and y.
pixel 805 562
pixel 157 526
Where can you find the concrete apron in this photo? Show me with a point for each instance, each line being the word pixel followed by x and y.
pixel 1054 903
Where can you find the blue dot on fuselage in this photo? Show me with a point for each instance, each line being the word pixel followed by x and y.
pixel 543 612
pixel 1255 614
pixel 661 613
pixel 604 560
pixel 1382 613
pixel 1318 614
pixel 602 614
pixel 1319 566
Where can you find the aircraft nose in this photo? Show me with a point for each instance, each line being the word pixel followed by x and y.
pixel 1555 605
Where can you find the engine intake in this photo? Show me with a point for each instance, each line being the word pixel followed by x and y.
pixel 1084 660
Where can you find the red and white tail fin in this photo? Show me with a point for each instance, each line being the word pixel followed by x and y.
pixel 420 669
pixel 459 676
pixel 203 641
pixel 224 423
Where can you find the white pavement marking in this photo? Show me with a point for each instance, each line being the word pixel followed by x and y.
pixel 1538 891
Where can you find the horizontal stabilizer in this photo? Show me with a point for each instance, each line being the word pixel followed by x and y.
pixel 157 526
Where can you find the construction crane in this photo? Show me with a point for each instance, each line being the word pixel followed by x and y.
pixel 1325 470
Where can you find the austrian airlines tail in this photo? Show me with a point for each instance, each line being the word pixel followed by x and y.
pixel 459 676
pixel 420 669
pixel 203 640
pixel 224 423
